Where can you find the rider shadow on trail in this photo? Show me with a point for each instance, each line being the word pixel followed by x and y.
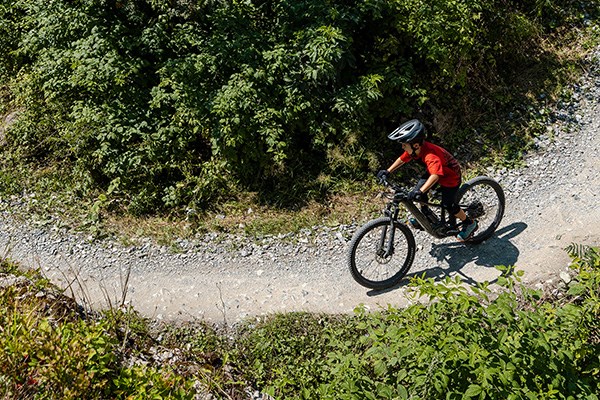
pixel 497 250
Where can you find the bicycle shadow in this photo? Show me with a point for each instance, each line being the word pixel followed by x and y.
pixel 497 250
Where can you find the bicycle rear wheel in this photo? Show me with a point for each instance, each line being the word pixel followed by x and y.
pixel 372 263
pixel 482 198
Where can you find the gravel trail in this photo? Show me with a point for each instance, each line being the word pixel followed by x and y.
pixel 551 202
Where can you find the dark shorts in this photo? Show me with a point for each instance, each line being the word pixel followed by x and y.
pixel 448 195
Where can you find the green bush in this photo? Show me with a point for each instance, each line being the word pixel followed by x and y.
pixel 50 350
pixel 167 104
pixel 286 354
pixel 464 343
pixel 465 346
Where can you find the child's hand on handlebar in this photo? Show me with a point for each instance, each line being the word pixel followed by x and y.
pixel 383 175
pixel 415 195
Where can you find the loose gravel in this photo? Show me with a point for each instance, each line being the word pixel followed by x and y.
pixel 552 201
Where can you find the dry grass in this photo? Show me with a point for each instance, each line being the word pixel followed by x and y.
pixel 246 217
pixel 162 230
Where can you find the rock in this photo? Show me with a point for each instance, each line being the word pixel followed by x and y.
pixel 565 277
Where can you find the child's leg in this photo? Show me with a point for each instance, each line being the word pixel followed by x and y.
pixel 449 202
pixel 468 225
pixel 461 215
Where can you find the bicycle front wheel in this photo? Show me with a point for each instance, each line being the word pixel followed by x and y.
pixel 482 198
pixel 381 253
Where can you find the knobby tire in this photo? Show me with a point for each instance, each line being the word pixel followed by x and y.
pixel 490 194
pixel 363 259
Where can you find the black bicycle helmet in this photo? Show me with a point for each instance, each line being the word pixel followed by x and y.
pixel 412 131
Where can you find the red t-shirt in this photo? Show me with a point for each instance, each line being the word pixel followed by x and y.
pixel 438 161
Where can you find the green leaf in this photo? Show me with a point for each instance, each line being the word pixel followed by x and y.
pixel 473 390
pixel 576 289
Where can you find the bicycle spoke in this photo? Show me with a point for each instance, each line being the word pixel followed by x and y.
pixel 483 200
pixel 370 259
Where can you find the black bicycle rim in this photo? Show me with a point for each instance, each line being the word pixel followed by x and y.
pixel 377 271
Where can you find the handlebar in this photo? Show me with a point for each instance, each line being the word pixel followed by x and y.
pixel 400 192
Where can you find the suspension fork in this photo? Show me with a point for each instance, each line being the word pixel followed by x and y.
pixel 386 247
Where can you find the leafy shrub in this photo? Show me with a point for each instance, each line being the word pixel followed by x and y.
pixel 286 354
pixel 162 104
pixel 52 351
pixel 464 343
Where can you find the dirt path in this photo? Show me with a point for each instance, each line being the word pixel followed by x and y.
pixel 552 202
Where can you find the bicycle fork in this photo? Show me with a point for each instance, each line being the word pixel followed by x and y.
pixel 386 243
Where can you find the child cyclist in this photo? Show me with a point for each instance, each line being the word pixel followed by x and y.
pixel 442 169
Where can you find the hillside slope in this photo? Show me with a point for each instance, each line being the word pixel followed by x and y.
pixel 551 202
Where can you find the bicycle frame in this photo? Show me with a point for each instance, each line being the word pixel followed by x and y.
pixel 441 230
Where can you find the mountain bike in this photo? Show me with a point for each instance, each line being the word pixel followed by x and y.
pixel 382 251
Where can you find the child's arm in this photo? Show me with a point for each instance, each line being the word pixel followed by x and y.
pixel 395 165
pixel 432 180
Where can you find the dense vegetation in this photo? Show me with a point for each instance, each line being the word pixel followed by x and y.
pixel 159 105
pixel 465 343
